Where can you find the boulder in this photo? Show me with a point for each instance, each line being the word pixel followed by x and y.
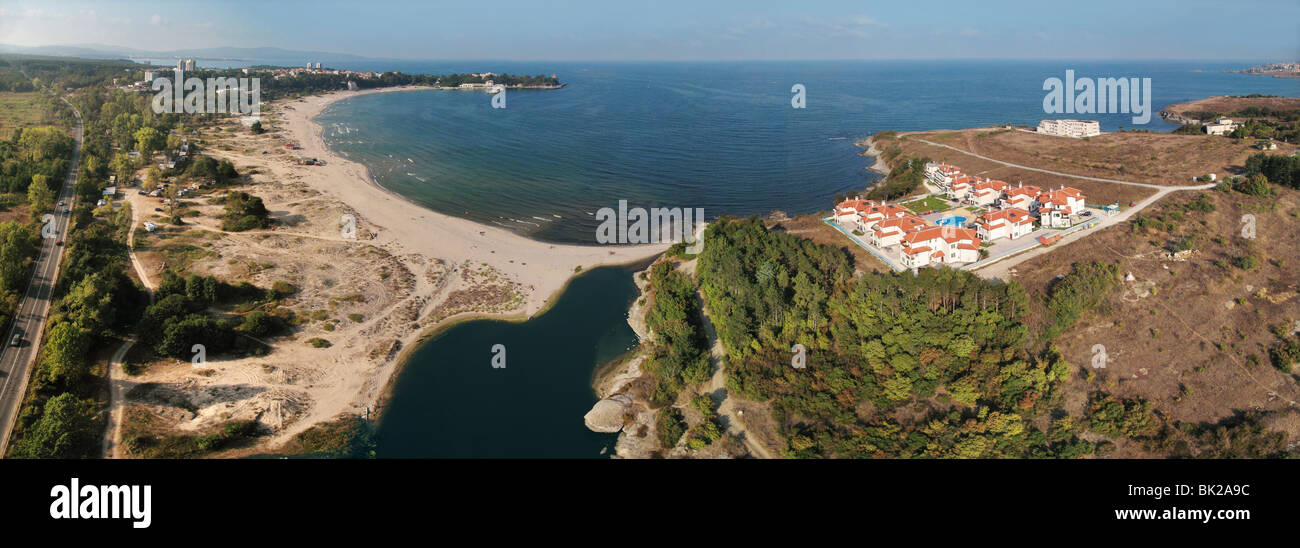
pixel 607 415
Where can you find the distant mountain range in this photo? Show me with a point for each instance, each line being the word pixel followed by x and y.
pixel 102 51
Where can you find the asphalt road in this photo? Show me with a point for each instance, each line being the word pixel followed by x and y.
pixel 16 362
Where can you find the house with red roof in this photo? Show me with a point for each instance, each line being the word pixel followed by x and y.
pixel 1056 207
pixel 941 174
pixel 939 245
pixel 848 210
pixel 960 187
pixel 986 193
pixel 1022 197
pixel 890 232
pixel 880 212
pixel 1005 223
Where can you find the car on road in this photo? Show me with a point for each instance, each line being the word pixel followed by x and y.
pixel 60 203
pixel 16 340
pixel 1086 214
pixel 60 242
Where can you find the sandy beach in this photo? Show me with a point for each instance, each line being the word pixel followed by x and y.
pixel 416 229
pixel 406 272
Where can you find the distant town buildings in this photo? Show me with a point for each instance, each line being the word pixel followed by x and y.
pixel 1070 128
pixel 186 64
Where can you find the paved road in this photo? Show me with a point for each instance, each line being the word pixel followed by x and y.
pixel 1000 268
pixel 16 362
pixel 1070 175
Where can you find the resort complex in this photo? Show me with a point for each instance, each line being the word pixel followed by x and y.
pixel 964 219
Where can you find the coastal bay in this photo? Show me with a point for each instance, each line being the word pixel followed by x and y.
pixel 404 273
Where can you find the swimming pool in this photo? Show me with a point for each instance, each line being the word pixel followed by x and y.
pixel 954 221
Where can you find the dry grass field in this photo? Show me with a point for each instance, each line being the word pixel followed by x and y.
pixel 1228 105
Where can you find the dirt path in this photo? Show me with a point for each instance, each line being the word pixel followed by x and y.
pixel 112 449
pixel 1050 172
pixel 718 391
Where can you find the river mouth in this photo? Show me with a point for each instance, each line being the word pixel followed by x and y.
pixel 449 401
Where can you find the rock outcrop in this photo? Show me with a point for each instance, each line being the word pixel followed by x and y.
pixel 608 415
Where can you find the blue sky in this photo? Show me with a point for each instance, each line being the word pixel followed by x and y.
pixel 681 30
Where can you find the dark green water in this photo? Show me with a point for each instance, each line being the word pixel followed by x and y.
pixel 450 402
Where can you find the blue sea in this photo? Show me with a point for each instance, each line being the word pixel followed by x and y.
pixel 719 136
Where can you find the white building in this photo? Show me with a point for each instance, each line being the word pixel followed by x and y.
pixel 986 193
pixel 1222 126
pixel 941 174
pixel 1005 223
pixel 960 187
pixel 1056 207
pixel 846 212
pixel 940 245
pixel 891 231
pixel 868 219
pixel 1022 197
pixel 1070 128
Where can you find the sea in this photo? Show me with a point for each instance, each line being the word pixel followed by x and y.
pixel 725 137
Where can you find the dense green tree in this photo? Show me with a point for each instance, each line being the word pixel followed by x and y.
pixel 149 140
pixel 64 355
pixel 66 429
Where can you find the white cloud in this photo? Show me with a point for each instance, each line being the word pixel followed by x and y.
pixel 157 20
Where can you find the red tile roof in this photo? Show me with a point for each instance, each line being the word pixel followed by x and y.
pixel 1030 191
pixel 1014 215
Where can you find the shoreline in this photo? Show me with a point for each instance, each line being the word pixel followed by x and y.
pixel 300 124
pixel 879 167
pixel 440 328
pixel 445 260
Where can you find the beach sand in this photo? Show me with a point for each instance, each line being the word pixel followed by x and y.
pixel 407 271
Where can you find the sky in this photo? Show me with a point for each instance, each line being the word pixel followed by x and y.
pixel 680 30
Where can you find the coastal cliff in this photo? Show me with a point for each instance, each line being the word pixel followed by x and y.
pixel 879 165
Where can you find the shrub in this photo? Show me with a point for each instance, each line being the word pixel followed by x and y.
pixel 670 426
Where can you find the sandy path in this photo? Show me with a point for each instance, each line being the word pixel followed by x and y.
pixel 718 390
pixel 112 445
